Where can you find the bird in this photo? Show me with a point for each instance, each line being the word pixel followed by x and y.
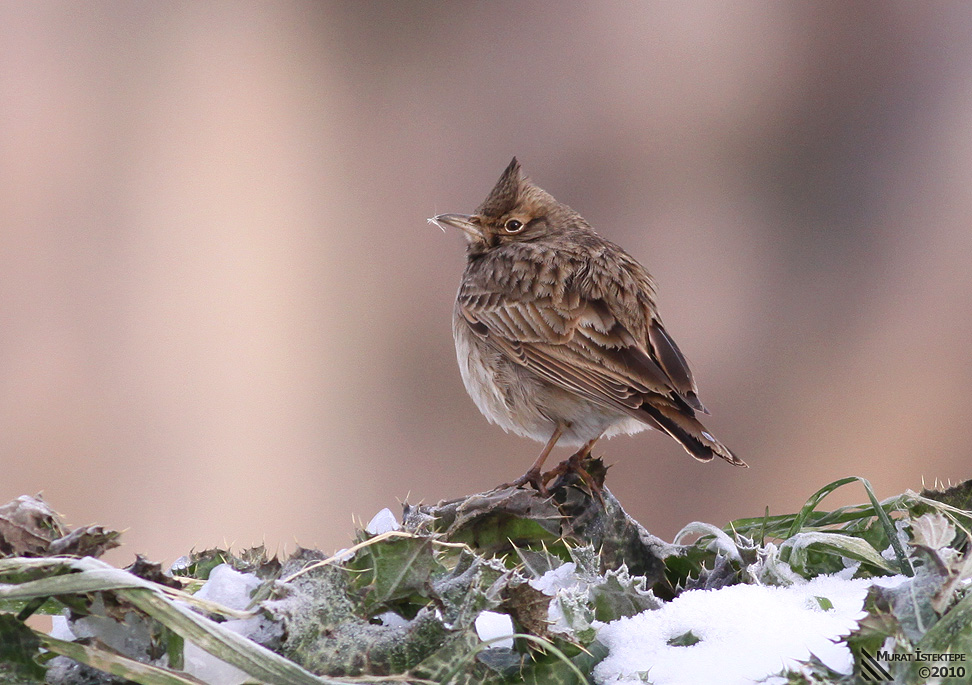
pixel 558 335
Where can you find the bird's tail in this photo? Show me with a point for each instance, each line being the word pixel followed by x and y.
pixel 690 434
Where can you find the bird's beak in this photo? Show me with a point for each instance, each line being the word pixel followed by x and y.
pixel 464 222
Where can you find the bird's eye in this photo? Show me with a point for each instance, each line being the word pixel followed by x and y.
pixel 514 226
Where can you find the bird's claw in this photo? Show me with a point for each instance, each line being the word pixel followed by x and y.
pixel 538 481
pixel 533 477
pixel 575 464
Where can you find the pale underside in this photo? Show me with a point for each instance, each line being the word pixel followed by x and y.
pixel 503 390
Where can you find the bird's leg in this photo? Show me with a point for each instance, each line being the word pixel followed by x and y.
pixel 574 464
pixel 532 476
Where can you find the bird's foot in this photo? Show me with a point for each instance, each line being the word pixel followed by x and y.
pixel 575 464
pixel 578 464
pixel 533 477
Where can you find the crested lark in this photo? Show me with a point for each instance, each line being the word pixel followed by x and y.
pixel 557 332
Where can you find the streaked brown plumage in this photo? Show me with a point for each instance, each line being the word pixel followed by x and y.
pixel 557 332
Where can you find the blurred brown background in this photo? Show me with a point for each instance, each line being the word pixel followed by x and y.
pixel 224 320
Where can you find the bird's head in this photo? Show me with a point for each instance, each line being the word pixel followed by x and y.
pixel 516 210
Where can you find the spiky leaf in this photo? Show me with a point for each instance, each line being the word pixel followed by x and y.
pixel 398 568
pixel 19 648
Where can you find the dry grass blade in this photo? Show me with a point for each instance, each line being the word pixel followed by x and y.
pixel 115 664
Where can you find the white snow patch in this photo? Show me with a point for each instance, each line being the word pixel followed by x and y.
pixel 746 633
pixel 180 564
pixel 561 578
pixel 61 629
pixel 382 522
pixel 343 554
pixel 491 625
pixel 229 587
pixel 390 619
pixel 232 589
pixel 564 585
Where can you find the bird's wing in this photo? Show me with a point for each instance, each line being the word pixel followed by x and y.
pixel 579 345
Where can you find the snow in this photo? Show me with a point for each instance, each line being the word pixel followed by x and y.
pixel 229 587
pixel 342 555
pixel 491 625
pixel 180 564
pixel 746 633
pixel 566 586
pixel 563 577
pixel 61 629
pixel 232 589
pixel 390 619
pixel 383 522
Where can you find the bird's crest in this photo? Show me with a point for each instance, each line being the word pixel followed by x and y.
pixel 502 198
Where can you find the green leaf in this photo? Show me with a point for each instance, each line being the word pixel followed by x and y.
pixel 472 586
pixel 835 544
pixel 874 630
pixel 873 532
pixel 557 669
pixel 686 639
pixel 958 496
pixel 19 648
pixel 455 663
pixel 200 564
pixel 586 560
pixel 951 635
pixel 537 563
pixel 815 672
pixel 395 569
pixel 904 565
pixel 853 519
pixel 800 521
pixel 497 533
pixel 621 594
pixel 824 603
pixel 911 602
pixel 720 541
